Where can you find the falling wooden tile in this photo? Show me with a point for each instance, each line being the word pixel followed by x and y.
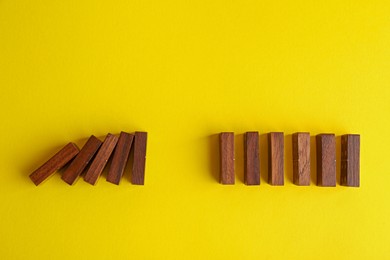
pixel 55 163
pixel 350 160
pixel 226 149
pixel 276 158
pixel 79 163
pixel 326 160
pixel 101 158
pixel 251 158
pixel 138 171
pixel 120 157
pixel 301 158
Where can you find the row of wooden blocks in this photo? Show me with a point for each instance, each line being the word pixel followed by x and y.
pixel 98 153
pixel 326 159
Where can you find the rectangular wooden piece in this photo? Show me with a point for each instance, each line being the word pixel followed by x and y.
pixel 138 171
pixel 226 147
pixel 251 159
pixel 301 158
pixel 326 160
pixel 350 160
pixel 276 158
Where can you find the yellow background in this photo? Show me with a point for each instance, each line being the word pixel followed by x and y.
pixel 185 71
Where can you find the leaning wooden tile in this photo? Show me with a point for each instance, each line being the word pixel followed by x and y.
pixel 251 158
pixel 55 163
pixel 102 156
pixel 226 147
pixel 326 160
pixel 276 158
pixel 79 163
pixel 138 171
pixel 120 157
pixel 301 158
pixel 350 160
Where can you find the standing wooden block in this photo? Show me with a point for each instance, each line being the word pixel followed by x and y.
pixel 120 157
pixel 326 160
pixel 350 160
pixel 138 172
pixel 97 166
pixel 81 161
pixel 276 158
pixel 301 158
pixel 251 159
pixel 54 163
pixel 226 147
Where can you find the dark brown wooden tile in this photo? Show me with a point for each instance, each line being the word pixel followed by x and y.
pixel 101 158
pixel 326 160
pixel 120 157
pixel 138 171
pixel 301 158
pixel 251 158
pixel 350 160
pixel 276 158
pixel 226 149
pixel 55 163
pixel 79 163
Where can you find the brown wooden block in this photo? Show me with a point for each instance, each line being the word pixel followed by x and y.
pixel 326 160
pixel 54 163
pixel 79 163
pixel 101 158
pixel 276 158
pixel 350 160
pixel 138 172
pixel 301 158
pixel 120 157
pixel 251 158
pixel 226 148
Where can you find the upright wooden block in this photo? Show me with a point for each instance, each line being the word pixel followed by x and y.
pixel 81 161
pixel 326 160
pixel 276 158
pixel 301 158
pixel 120 157
pixel 97 166
pixel 226 147
pixel 138 172
pixel 350 160
pixel 54 163
pixel 251 158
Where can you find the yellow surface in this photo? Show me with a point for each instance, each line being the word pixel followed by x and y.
pixel 184 72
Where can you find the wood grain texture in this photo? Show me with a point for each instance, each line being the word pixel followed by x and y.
pixel 67 153
pixel 138 171
pixel 79 163
pixel 350 160
pixel 101 158
pixel 226 148
pixel 326 160
pixel 251 158
pixel 301 158
pixel 276 158
pixel 120 157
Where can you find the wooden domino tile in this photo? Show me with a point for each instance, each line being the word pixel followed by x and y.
pixel 301 158
pixel 251 158
pixel 276 158
pixel 100 161
pixel 79 163
pixel 226 147
pixel 120 157
pixel 350 160
pixel 138 171
pixel 55 163
pixel 326 160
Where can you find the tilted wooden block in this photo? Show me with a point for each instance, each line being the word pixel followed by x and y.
pixel 301 158
pixel 79 163
pixel 350 160
pixel 226 149
pixel 326 160
pixel 138 171
pixel 100 161
pixel 55 163
pixel 120 157
pixel 251 158
pixel 276 158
